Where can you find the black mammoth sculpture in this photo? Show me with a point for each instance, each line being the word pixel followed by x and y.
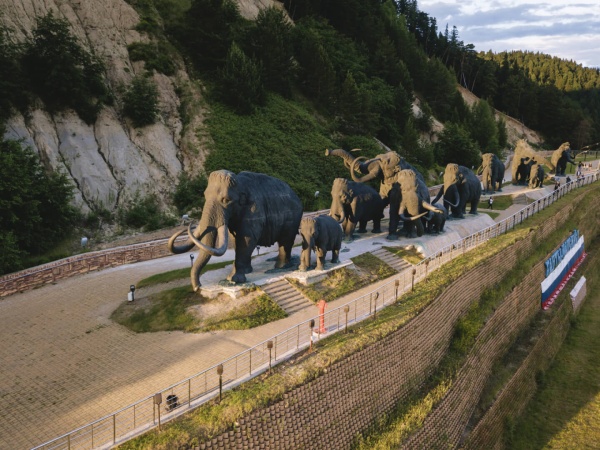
pixel 536 176
pixel 435 221
pixel 524 171
pixel 321 234
pixel 415 202
pixel 353 203
pixel 383 167
pixel 461 187
pixel 561 157
pixel 492 173
pixel 258 210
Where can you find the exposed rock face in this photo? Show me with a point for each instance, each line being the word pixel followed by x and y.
pixel 109 161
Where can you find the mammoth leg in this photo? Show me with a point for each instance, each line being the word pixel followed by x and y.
pixel 320 258
pixel 376 226
pixel 335 255
pixel 286 242
pixel 244 247
pixel 362 226
pixel 395 198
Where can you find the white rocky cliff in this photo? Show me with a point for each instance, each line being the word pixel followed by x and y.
pixel 109 161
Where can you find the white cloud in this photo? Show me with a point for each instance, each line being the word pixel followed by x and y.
pixel 568 29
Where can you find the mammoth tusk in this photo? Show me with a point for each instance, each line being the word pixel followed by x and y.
pixel 222 236
pixel 418 216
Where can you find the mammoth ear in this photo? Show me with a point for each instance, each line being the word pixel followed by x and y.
pixel 243 199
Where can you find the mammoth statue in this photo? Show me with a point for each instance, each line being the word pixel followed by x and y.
pixel 323 234
pixel 434 221
pixel 524 170
pixel 384 168
pixel 492 173
pixel 256 208
pixel 523 151
pixel 415 202
pixel 461 186
pixel 536 176
pixel 353 203
pixel 561 157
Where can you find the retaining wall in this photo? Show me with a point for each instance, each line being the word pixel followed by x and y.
pixel 330 411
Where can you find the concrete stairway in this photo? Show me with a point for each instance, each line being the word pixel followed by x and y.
pixel 391 260
pixel 289 298
pixel 521 199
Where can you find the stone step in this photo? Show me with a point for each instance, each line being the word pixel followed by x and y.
pixel 391 259
pixel 289 298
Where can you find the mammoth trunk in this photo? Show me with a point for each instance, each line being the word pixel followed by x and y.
pixel 347 157
pixel 451 195
pixel 207 238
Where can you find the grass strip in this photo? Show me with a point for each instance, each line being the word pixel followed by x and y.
pixel 177 274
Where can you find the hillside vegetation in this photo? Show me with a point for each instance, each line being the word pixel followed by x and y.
pixel 280 89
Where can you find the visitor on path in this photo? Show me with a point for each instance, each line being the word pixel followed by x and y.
pixel 568 179
pixel 556 185
pixel 490 202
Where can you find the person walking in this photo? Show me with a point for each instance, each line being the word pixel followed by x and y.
pixel 490 202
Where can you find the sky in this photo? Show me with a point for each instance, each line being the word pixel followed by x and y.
pixel 568 29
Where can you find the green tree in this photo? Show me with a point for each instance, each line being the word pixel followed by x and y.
pixel 13 92
pixel 35 207
pixel 207 32
pixel 271 40
pixel 456 146
pixel 483 127
pixel 140 102
pixel 241 83
pixel 189 193
pixel 62 73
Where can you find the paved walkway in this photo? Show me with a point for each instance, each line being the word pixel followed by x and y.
pixel 64 363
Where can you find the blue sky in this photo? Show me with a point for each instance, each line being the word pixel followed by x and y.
pixel 568 29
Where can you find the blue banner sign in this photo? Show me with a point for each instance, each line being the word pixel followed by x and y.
pixel 559 254
pixel 561 266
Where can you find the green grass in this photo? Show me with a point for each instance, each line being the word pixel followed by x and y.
pixel 212 419
pixel 177 274
pixel 165 311
pixel 258 311
pixel 565 412
pixel 501 202
pixel 343 281
pixel 410 255
pixel 490 213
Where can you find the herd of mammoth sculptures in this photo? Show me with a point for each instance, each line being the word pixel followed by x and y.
pixel 260 210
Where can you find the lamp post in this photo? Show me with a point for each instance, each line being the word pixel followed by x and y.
pixel 131 293
pixel 311 325
pixel 270 347
pixel 346 310
pixel 220 373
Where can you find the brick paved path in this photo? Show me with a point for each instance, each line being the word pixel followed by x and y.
pixel 64 363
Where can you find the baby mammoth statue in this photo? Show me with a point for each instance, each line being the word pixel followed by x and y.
pixel 321 234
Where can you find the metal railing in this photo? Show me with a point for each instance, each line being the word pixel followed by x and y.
pixel 144 415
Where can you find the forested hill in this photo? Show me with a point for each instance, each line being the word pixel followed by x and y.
pixel 129 103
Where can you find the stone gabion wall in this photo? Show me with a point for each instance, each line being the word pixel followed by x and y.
pixel 68 267
pixel 489 432
pixel 332 410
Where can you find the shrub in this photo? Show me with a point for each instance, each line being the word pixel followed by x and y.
pixel 141 102
pixel 189 193
pixel 144 213
pixel 62 73
pixel 156 55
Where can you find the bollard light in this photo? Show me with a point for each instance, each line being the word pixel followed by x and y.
pixel 346 310
pixel 192 260
pixel 84 241
pixel 220 373
pixel 311 325
pixel 131 293
pixel 270 347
